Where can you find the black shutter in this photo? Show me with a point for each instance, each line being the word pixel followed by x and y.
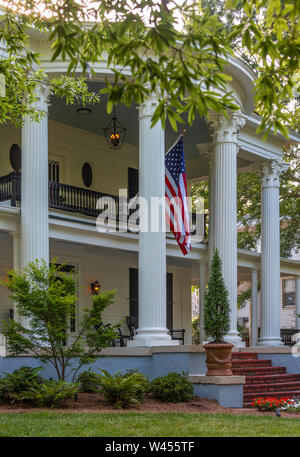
pixel 134 294
pixel 53 170
pixel 169 301
pixel 133 182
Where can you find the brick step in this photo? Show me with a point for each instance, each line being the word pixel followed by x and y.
pixel 271 387
pixel 244 355
pixel 256 371
pixel 276 378
pixel 248 399
pixel 251 363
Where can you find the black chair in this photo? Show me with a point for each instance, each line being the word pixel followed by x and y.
pixel 119 341
pixel 178 334
pixel 132 324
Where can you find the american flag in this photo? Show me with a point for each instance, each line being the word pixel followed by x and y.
pixel 177 212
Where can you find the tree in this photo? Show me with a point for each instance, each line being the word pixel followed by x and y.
pixel 167 46
pixel 216 304
pixel 45 298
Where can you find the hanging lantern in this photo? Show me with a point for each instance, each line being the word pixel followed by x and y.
pixel 115 132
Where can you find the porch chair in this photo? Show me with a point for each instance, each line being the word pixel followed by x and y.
pixel 132 324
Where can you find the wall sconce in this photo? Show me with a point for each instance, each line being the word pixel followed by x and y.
pixel 95 287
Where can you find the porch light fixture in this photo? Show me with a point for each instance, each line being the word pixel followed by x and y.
pixel 115 132
pixel 84 110
pixel 95 287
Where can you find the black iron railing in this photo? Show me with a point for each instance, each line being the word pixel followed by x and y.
pixel 78 200
pixel 73 199
pixel 10 188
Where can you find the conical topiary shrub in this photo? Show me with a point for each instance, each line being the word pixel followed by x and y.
pixel 216 305
pixel 217 322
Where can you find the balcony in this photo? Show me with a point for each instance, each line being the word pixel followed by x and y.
pixel 65 197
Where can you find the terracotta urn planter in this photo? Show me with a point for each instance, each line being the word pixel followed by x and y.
pixel 218 359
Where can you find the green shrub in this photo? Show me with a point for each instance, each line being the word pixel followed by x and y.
pixel 12 385
pixel 174 387
pixel 88 381
pixel 216 304
pixel 50 394
pixel 124 390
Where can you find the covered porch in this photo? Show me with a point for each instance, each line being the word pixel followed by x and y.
pixel 62 212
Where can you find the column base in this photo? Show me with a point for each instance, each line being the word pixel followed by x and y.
pixel 150 343
pixel 234 338
pixel 152 337
pixel 270 341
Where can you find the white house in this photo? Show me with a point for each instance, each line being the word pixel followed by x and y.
pixel 42 219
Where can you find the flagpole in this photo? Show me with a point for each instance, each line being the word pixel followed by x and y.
pixel 180 136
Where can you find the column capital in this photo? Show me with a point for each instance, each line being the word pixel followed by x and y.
pixel 42 94
pixel 270 172
pixel 226 130
pixel 148 106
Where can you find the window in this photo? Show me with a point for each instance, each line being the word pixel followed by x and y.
pixel 15 157
pixel 87 174
pixel 53 170
pixel 288 292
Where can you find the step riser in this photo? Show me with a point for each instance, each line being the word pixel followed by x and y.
pixel 291 394
pixel 238 356
pixel 254 372
pixel 251 363
pixel 270 388
pixel 272 379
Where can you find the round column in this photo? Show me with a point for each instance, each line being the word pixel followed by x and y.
pixel 224 209
pixel 152 329
pixel 270 255
pixel 34 184
pixel 254 309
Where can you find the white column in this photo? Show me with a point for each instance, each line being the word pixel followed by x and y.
pixel 224 209
pixel 34 185
pixel 152 329
pixel 202 287
pixel 254 309
pixel 297 279
pixel 270 255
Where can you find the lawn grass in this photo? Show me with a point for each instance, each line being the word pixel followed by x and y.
pixel 51 424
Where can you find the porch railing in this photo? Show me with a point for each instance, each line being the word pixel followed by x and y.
pixel 10 187
pixel 69 198
pixel 78 200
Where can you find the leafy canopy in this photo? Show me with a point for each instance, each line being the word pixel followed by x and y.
pixel 176 48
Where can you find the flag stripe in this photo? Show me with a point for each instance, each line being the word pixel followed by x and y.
pixel 177 211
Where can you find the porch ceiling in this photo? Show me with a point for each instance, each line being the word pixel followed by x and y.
pixel 198 133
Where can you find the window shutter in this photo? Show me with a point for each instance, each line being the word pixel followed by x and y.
pixel 133 292
pixel 133 182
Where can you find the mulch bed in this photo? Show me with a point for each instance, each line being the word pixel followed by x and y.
pixel 94 403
